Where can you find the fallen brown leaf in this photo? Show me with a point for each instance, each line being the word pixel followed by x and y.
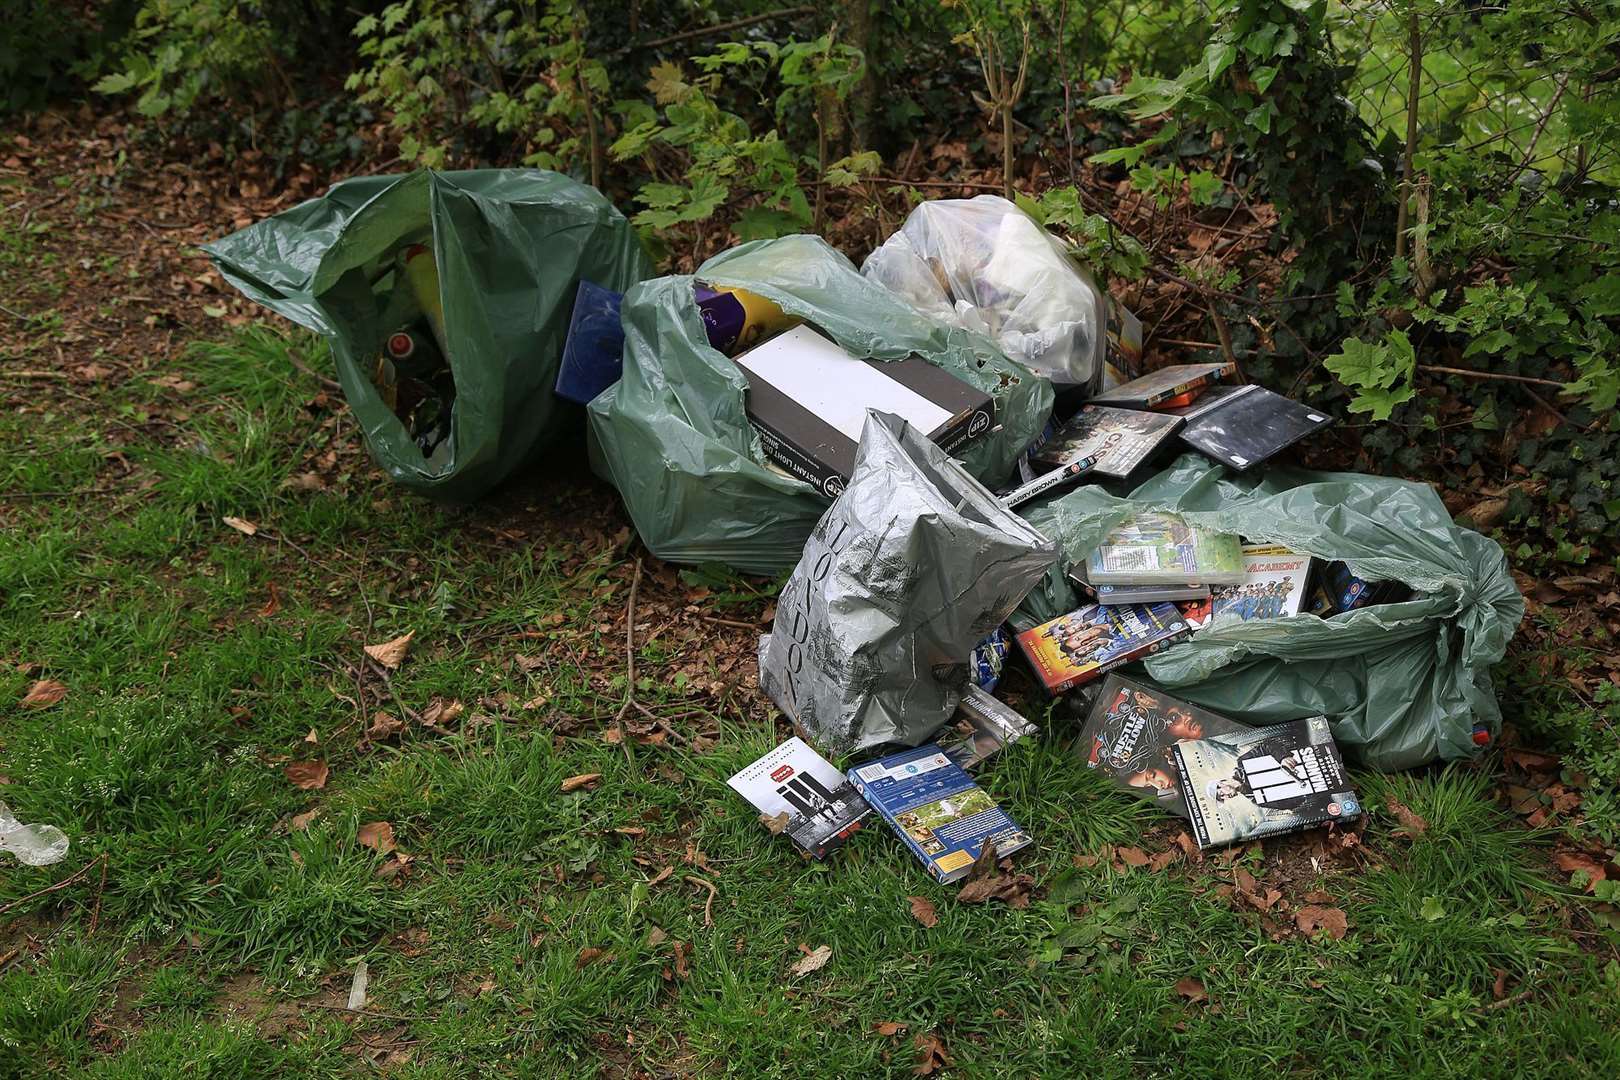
pixel 574 783
pixel 922 909
pixel 775 823
pixel 313 738
pixel 1410 821
pixel 384 726
pixel 589 956
pixel 241 525
pixel 1192 989
pixel 43 694
pixel 309 775
pixel 683 958
pixel 1571 862
pixel 1314 917
pixel 931 1055
pixel 812 960
pixel 1132 856
pixel 272 605
pixel 300 822
pixel 888 1028
pixel 376 835
pixel 390 654
pixel 441 713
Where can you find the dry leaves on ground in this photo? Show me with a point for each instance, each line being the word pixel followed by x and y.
pixel 889 1028
pixel 775 823
pixel 1192 989
pixel 1572 862
pixel 300 822
pixel 812 960
pixel 1314 917
pixel 43 694
pixel 922 909
pixel 931 1055
pixel 241 525
pixel 583 780
pixel 591 955
pixel 1410 821
pixel 391 654
pixel 376 835
pixel 309 775
pixel 384 726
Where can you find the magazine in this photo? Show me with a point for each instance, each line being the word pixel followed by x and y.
pixel 823 808
pixel 937 809
pixel 1273 585
pixel 1131 733
pixel 1083 645
pixel 1124 437
pixel 1154 548
pixel 1263 781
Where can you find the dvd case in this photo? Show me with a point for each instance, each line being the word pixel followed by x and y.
pixel 1273 586
pixel 1249 426
pixel 1124 438
pixel 1155 548
pixel 1076 648
pixel 937 809
pixel 1131 734
pixel 823 808
pixel 1157 388
pixel 1264 781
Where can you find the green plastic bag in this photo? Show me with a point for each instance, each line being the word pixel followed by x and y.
pixel 673 436
pixel 511 246
pixel 1404 684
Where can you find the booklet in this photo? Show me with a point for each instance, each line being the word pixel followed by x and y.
pixel 937 809
pixel 1155 548
pixel 1274 580
pixel 1131 736
pixel 1263 781
pixel 823 807
pixel 1083 645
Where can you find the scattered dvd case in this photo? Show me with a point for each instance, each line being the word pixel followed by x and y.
pixel 937 809
pixel 1083 645
pixel 1264 781
pixel 1131 734
pixel 1157 548
pixel 1273 587
pixel 1248 426
pixel 1124 437
pixel 823 807
pixel 1166 385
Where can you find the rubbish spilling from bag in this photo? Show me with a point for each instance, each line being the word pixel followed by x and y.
pixel 956 461
pixel 446 298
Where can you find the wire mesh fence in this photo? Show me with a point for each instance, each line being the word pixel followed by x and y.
pixel 1470 92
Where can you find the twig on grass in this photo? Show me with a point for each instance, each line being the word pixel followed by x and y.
pixel 64 883
pixel 708 905
pixel 364 1012
pixel 629 665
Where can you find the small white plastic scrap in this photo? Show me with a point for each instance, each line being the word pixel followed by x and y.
pixel 357 989
pixel 34 845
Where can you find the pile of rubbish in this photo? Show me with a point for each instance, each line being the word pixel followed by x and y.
pixel 957 454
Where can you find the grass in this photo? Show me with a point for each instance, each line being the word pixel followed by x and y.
pixel 199 660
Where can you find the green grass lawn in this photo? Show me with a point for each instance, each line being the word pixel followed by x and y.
pixel 536 933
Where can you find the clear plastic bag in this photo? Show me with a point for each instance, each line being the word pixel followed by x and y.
pixel 34 845
pixel 985 265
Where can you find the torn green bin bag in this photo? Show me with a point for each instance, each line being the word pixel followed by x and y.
pixel 673 434
pixel 1403 684
pixel 510 247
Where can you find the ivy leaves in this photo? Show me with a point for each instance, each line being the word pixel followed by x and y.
pixel 1380 373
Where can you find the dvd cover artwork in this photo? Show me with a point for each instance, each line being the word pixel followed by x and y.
pixel 1131 736
pixel 1264 781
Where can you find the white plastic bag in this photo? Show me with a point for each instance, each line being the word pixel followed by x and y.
pixel 985 265
pixel 34 845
